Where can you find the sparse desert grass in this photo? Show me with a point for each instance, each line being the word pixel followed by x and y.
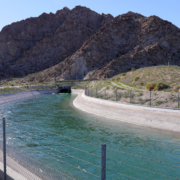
pixel 169 75
pixel 158 102
pixel 136 79
pixel 140 94
pixel 141 84
pixel 176 88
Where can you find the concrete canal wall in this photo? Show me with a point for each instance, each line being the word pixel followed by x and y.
pixel 159 118
pixel 8 98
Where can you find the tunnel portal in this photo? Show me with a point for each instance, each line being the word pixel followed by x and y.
pixel 64 89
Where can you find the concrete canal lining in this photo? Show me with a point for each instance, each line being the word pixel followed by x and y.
pixel 158 118
pixel 9 98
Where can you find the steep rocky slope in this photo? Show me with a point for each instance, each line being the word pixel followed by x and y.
pixel 21 36
pixel 82 44
pixel 130 40
pixel 50 39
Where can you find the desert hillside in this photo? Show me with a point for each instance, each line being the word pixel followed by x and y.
pixel 82 44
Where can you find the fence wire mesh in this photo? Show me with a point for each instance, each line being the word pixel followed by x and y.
pixel 23 165
pixel 145 98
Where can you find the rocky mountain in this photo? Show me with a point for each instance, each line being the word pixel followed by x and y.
pixel 130 40
pixel 82 44
pixel 39 43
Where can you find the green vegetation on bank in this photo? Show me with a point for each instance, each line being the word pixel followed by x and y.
pixel 157 78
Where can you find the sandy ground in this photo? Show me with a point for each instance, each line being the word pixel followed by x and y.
pixel 15 170
pixel 159 118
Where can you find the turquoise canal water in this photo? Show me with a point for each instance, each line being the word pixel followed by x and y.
pixel 51 138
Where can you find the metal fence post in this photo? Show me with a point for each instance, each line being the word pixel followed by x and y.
pixel 96 92
pixel 150 97
pixel 105 93
pixel 103 162
pixel 116 94
pixel 178 99
pixel 4 146
pixel 130 96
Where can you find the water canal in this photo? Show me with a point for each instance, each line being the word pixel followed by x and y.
pixel 46 135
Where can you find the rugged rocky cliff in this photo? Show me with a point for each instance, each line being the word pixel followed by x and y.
pixel 130 40
pixel 39 43
pixel 81 44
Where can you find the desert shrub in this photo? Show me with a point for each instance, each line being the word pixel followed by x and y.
pixel 141 84
pixel 150 86
pixel 133 69
pixel 160 86
pixel 117 79
pixel 140 94
pixel 177 87
pixel 136 78
pixel 123 74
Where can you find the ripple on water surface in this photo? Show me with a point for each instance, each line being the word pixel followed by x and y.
pixel 46 135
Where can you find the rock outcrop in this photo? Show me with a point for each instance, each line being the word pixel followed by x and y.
pixel 82 44
pixel 130 40
pixel 50 39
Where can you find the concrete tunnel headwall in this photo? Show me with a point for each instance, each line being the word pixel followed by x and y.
pixel 64 89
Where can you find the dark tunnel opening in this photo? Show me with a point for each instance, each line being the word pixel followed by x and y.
pixel 65 91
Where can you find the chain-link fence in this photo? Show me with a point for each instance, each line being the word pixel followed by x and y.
pixel 147 98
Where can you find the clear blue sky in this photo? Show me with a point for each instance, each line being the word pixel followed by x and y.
pixel 16 10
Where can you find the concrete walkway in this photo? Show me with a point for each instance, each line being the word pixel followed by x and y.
pixel 159 118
